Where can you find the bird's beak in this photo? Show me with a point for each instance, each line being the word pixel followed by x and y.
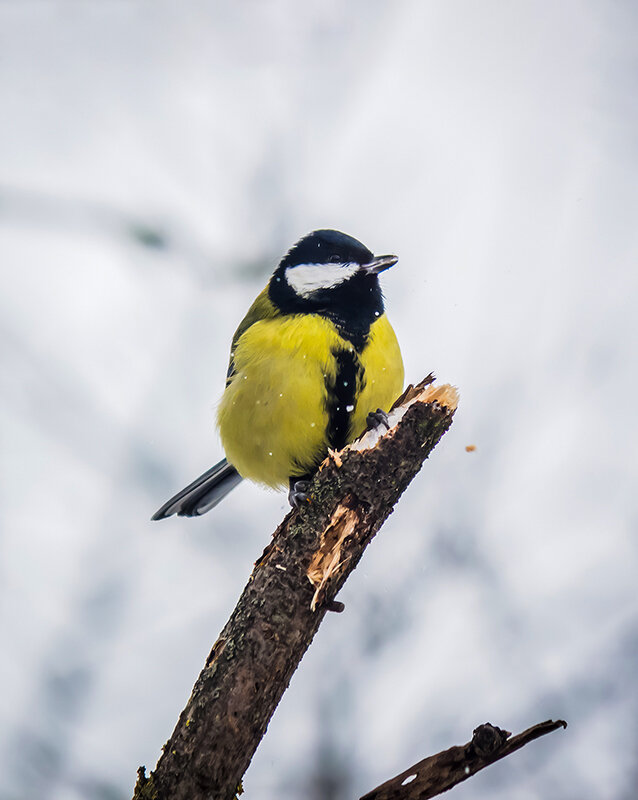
pixel 378 264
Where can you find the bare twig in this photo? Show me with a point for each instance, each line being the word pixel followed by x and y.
pixel 292 586
pixel 438 773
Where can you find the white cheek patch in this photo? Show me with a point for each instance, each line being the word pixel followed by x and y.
pixel 308 278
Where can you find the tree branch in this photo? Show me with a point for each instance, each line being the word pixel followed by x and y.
pixel 438 773
pixel 292 586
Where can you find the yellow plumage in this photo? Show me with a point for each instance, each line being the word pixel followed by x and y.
pixel 274 414
pixel 314 356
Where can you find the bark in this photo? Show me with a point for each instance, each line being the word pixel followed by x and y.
pixel 292 586
pixel 436 774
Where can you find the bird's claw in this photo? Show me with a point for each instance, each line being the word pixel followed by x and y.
pixel 376 419
pixel 298 493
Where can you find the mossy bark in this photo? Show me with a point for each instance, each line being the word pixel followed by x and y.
pixel 256 654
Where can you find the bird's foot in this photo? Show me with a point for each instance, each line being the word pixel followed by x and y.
pixel 376 419
pixel 298 492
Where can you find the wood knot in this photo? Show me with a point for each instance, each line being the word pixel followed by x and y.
pixel 488 739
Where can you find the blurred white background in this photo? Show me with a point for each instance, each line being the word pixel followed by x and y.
pixel 157 159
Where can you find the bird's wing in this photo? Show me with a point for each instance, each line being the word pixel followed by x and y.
pixel 262 308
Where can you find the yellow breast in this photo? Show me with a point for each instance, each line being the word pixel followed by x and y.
pixel 273 416
pixel 383 373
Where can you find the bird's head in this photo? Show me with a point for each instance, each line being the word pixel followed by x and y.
pixel 328 272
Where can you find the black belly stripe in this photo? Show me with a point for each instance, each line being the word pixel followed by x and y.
pixel 341 394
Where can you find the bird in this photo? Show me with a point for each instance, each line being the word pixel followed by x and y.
pixel 313 363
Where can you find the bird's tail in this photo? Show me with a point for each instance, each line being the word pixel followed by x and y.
pixel 202 494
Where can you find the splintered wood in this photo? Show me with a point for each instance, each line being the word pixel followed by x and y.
pixel 310 557
pixel 327 559
pixel 445 395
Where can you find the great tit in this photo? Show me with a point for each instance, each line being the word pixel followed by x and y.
pixel 312 360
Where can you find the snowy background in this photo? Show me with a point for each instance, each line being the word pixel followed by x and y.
pixel 157 158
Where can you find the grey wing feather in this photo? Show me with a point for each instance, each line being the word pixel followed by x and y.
pixel 203 493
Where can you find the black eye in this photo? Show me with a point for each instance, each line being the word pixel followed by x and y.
pixel 335 259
